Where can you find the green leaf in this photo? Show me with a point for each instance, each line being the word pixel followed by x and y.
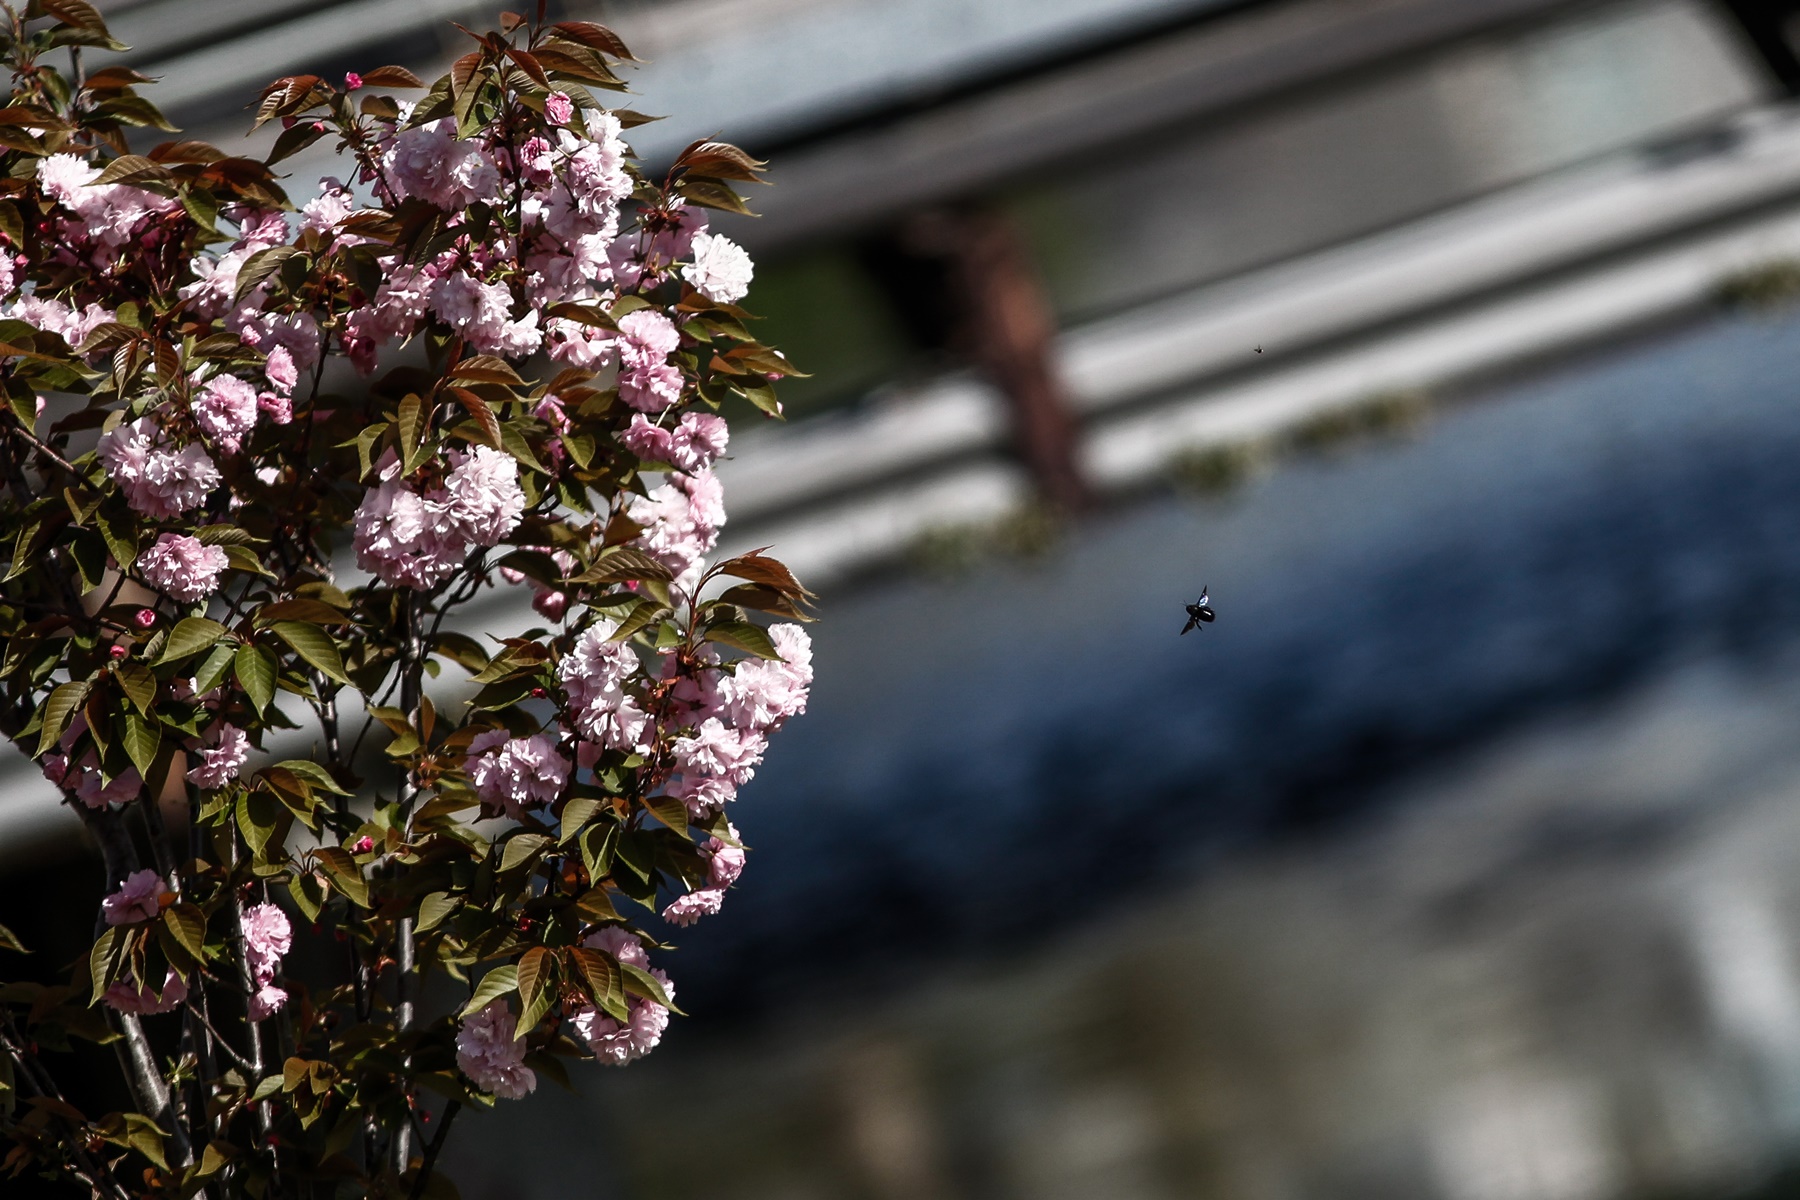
pixel 642 614
pixel 596 906
pixel 597 845
pixel 142 1135
pixel 259 817
pixel 100 963
pixel 244 559
pixel 258 267
pixel 138 684
pixel 745 636
pixel 521 849
pixel 435 908
pixel 500 981
pixel 669 811
pixel 213 669
pixel 255 671
pixel 645 986
pixel 10 941
pixel 59 709
pixel 536 970
pixel 121 538
pixel 188 925
pixel 142 739
pixel 314 645
pixel 190 636
pixel 576 814
pixel 412 433
pixel 314 774
pixel 340 866
pixel 624 564
pixel 602 981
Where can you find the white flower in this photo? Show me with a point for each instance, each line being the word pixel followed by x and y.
pixel 721 270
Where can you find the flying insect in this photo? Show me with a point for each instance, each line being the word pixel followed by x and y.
pixel 1199 611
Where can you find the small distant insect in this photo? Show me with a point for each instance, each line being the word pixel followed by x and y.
pixel 1200 610
pixel 1258 350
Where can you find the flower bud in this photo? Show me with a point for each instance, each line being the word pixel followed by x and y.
pixel 352 81
pixel 116 651
pixel 145 618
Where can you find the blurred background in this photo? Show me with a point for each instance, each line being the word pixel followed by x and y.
pixel 1449 343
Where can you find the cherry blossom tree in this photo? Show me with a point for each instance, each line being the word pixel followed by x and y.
pixel 257 457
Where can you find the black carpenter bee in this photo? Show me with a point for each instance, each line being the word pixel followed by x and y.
pixel 1200 610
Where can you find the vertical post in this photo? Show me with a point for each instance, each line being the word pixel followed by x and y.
pixel 1010 331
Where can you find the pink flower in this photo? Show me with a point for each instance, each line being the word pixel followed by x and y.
pixel 266 1002
pixel 716 749
pixel 721 270
pixel 489 1054
pixel 430 163
pixel 221 758
pixel 723 863
pixel 352 81
pixel 157 482
pixel 516 773
pixel 405 539
pixel 646 380
pixel 482 314
pixel 139 898
pixel 323 212
pixel 267 938
pixel 703 794
pixel 611 1041
pixel 484 498
pixel 53 316
pixel 695 442
pixel 761 694
pixel 182 567
pixel 593 674
pixel 559 108
pixel 127 996
pixel 703 902
pixel 280 370
pixel 619 942
pixel 681 521
pixel 226 410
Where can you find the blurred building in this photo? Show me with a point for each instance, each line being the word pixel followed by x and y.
pixel 1042 908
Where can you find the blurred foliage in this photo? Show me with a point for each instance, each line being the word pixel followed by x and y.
pixel 833 320
pixel 1770 285
pixel 1028 532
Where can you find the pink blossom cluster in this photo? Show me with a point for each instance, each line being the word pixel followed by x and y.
pixel 222 755
pixel 419 540
pixel 693 444
pixel 724 864
pixel 267 939
pixel 514 774
pixel 595 675
pixel 681 519
pixel 732 716
pixel 82 777
pixel 159 480
pixel 97 220
pixel 490 1054
pixel 139 898
pixel 618 1042
pixel 129 996
pixel 183 568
